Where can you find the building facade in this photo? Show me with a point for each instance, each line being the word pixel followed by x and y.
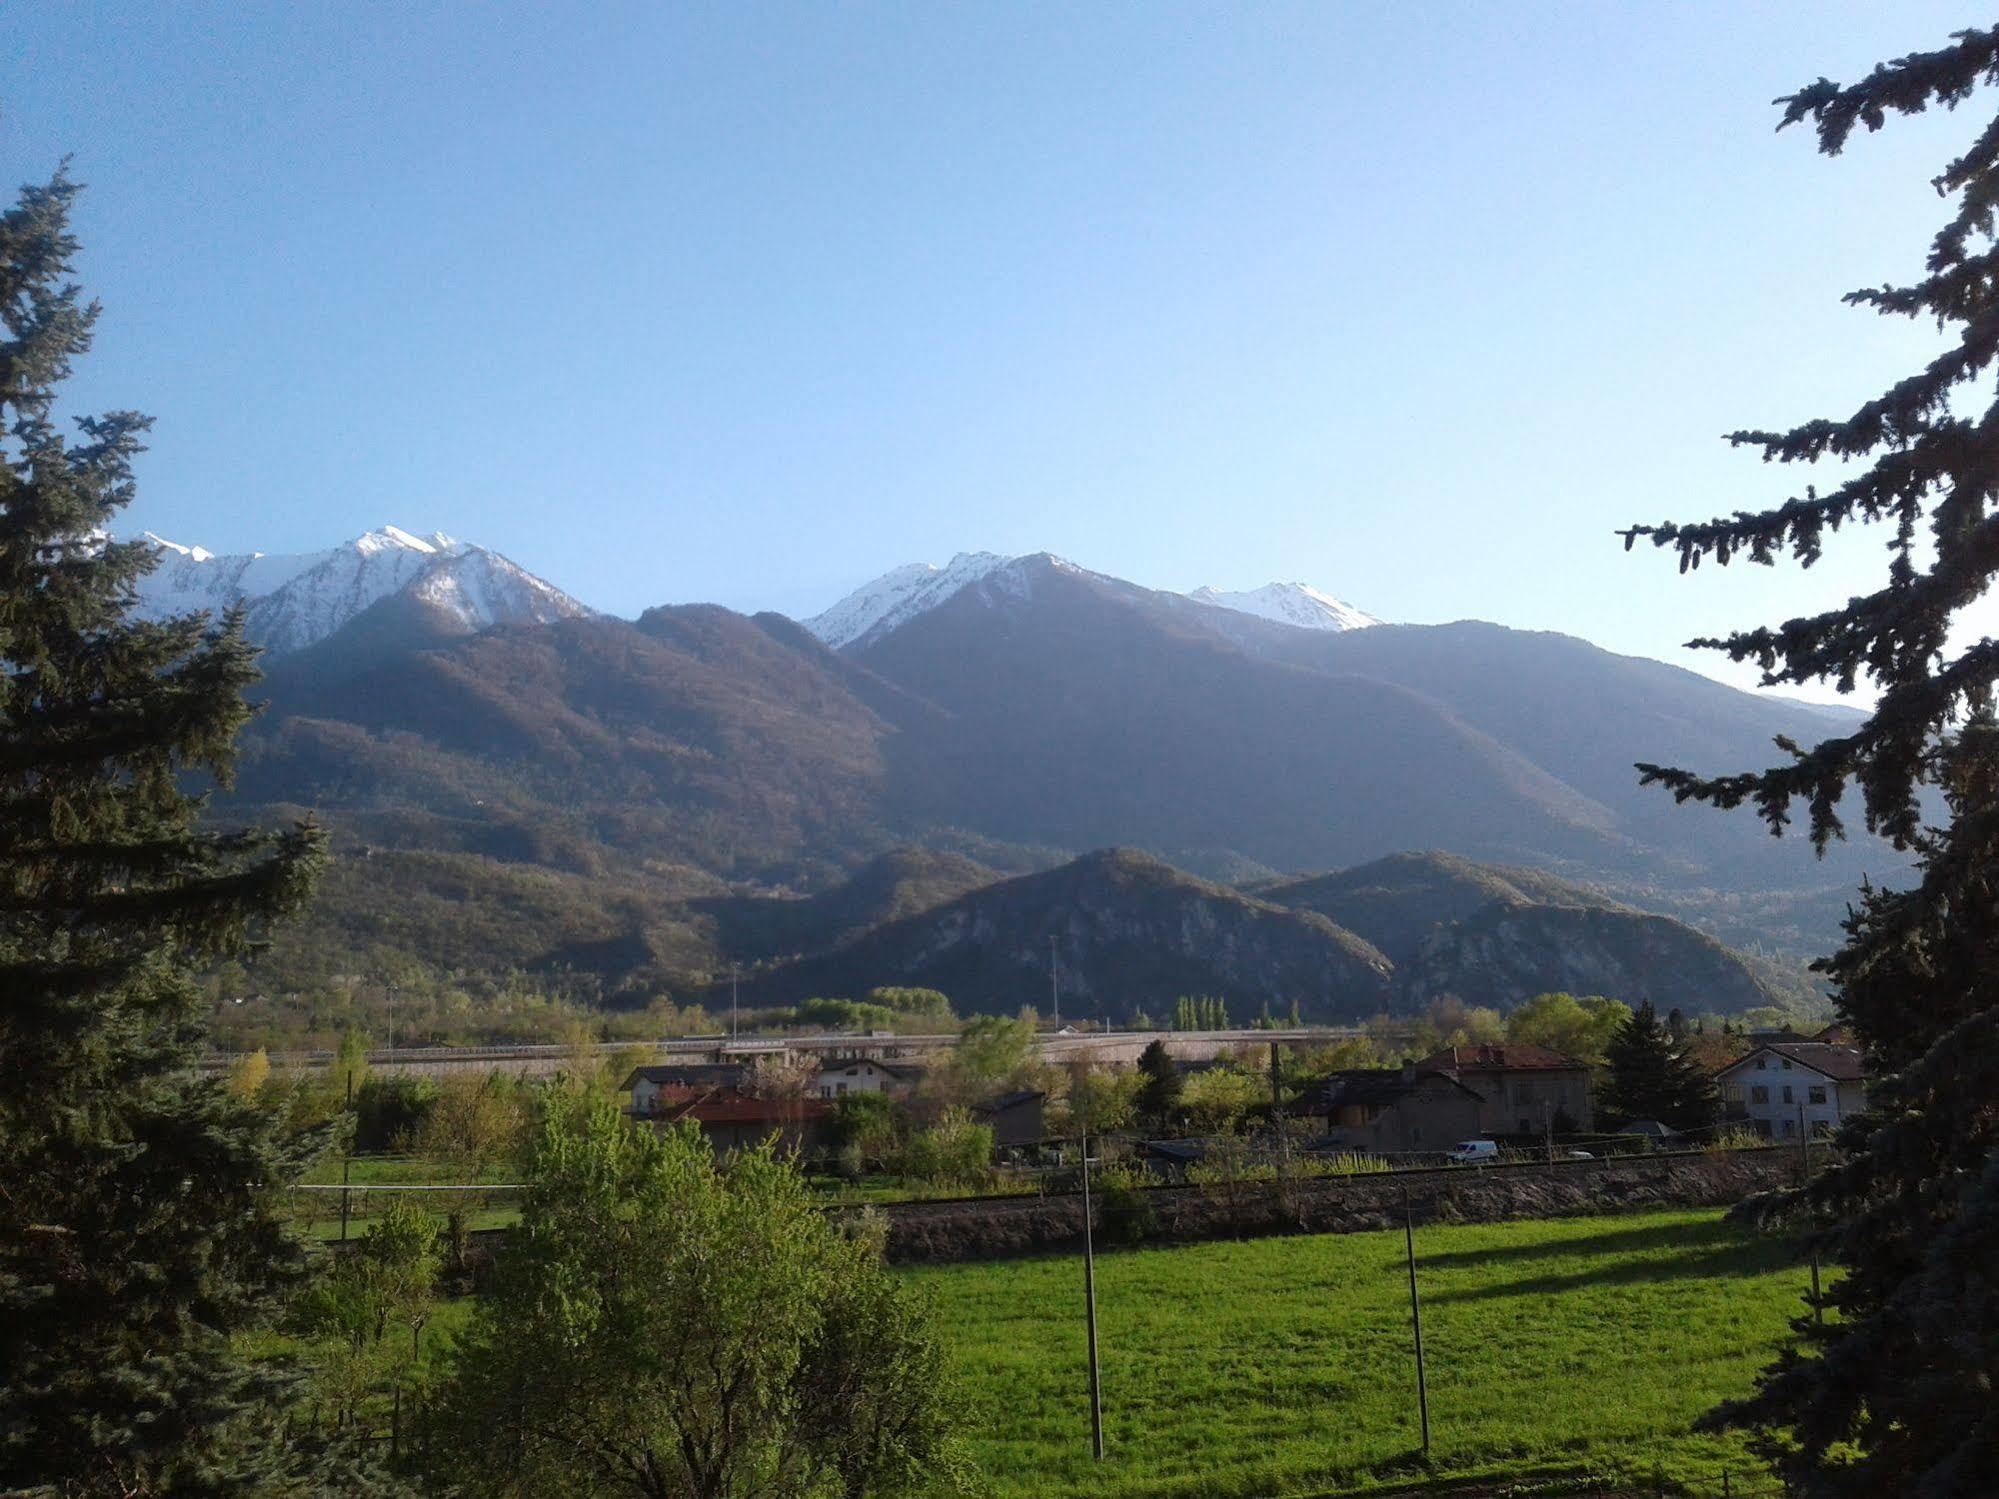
pixel 1782 1087
pixel 1523 1090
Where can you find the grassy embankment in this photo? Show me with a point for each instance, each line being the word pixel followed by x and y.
pixel 1283 1366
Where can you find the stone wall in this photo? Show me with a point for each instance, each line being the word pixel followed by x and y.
pixel 992 1228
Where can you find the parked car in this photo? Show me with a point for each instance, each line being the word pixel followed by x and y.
pixel 1581 1155
pixel 1474 1153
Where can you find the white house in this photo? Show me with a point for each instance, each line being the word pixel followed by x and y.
pixel 1781 1083
pixel 840 1076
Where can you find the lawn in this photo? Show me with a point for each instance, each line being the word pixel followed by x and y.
pixel 1283 1366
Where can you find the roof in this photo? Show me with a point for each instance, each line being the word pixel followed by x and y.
pixel 1843 1064
pixel 1008 1101
pixel 1652 1127
pixel 739 1110
pixel 1507 1056
pixel 1376 1087
pixel 893 1069
pixel 686 1074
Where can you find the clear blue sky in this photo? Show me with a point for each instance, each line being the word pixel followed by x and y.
pixel 749 303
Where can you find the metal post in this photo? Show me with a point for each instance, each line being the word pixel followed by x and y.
pixel 1090 1305
pixel 1416 1320
pixel 346 1161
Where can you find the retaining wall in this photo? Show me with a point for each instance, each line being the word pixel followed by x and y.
pixel 993 1228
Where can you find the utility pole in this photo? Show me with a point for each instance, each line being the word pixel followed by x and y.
pixel 732 1001
pixel 1416 1322
pixel 393 992
pixel 1055 993
pixel 1548 1126
pixel 1090 1306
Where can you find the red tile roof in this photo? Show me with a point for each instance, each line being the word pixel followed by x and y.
pixel 1509 1056
pixel 746 1110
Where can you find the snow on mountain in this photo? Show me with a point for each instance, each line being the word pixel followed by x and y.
pixel 1297 604
pixel 293 601
pixel 880 608
pixel 898 596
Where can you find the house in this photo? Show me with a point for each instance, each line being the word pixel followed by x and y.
pixel 1387 1110
pixel 1525 1089
pixel 1015 1118
pixel 839 1076
pixel 1780 1085
pixel 654 1087
pixel 735 1121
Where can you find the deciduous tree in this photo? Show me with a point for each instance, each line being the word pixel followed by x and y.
pixel 667 1327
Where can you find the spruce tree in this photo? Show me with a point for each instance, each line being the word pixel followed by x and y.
pixel 1650 1077
pixel 137 1222
pixel 1895 1393
pixel 1159 1096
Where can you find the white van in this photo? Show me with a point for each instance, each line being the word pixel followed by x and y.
pixel 1474 1153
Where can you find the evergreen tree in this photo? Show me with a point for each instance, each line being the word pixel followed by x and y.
pixel 1159 1098
pixel 1650 1077
pixel 1895 1393
pixel 138 1229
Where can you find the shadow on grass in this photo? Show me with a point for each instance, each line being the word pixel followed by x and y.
pixel 1732 1260
pixel 1612 1241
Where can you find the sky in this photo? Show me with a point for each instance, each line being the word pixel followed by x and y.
pixel 748 304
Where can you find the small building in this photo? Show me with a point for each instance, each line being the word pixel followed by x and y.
pixel 1015 1118
pixel 734 1121
pixel 654 1087
pixel 1524 1089
pixel 840 1076
pixel 1781 1085
pixel 1390 1110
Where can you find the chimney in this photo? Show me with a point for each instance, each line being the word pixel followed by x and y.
pixel 1408 1072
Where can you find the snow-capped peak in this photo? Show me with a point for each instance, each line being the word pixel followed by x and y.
pixel 294 601
pixel 1297 604
pixel 877 609
pixel 898 596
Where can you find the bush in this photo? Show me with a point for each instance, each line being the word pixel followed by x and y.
pixel 954 1149
pixel 1125 1214
pixel 389 1111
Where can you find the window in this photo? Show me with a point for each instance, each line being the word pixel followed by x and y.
pixel 1759 1094
pixel 1787 1094
pixel 1815 1093
pixel 1762 1063
pixel 1733 1093
pixel 1526 1127
pixel 1787 1064
pixel 1790 1128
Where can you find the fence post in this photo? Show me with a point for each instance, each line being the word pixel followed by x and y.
pixel 1090 1298
pixel 1416 1320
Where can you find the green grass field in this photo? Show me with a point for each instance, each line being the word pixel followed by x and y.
pixel 1283 1366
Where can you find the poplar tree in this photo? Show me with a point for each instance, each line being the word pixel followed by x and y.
pixel 1895 1393
pixel 138 1230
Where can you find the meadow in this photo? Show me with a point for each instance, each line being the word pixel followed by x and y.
pixel 1283 1366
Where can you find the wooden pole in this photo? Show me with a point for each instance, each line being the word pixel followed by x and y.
pixel 1416 1320
pixel 1090 1310
pixel 346 1160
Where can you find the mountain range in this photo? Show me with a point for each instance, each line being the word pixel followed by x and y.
pixel 469 726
